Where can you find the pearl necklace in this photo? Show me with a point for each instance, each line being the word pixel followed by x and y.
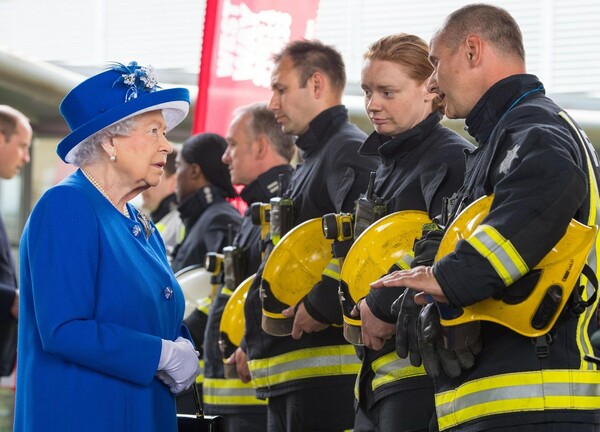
pixel 103 192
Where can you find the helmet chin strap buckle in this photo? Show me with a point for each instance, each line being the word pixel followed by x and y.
pixel 542 346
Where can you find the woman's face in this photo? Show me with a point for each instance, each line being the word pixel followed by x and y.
pixel 394 101
pixel 185 185
pixel 143 154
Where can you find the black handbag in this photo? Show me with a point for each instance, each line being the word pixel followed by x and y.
pixel 199 422
pixel 8 345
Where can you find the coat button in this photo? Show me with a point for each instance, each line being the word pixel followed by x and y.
pixel 168 293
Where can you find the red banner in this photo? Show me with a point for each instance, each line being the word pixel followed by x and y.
pixel 240 38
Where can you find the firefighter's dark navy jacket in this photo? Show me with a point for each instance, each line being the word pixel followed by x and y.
pixel 164 208
pixel 248 238
pixel 261 190
pixel 418 168
pixel 206 216
pixel 538 172
pixel 329 180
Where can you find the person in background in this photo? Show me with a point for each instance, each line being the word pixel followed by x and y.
pixel 161 202
pixel 15 142
pixel 541 171
pixel 101 311
pixel 257 154
pixel 202 188
pixel 210 221
pixel 421 163
pixel 308 377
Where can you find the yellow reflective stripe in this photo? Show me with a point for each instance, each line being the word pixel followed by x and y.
pixel 593 181
pixel 160 227
pixel 333 269
pixel 583 337
pixel 226 291
pixel 583 340
pixel 405 261
pixel 306 363
pixel 500 252
pixel 204 305
pixel 221 391
pixel 518 392
pixel 200 377
pixel 390 368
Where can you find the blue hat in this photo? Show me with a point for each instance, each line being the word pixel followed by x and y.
pixel 114 95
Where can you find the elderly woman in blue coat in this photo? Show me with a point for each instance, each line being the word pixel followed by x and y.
pixel 101 341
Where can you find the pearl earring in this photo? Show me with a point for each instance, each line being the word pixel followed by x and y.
pixel 113 157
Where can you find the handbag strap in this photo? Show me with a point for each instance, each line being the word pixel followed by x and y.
pixel 197 401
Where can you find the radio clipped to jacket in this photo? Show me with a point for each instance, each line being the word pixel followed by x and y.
pixel 282 215
pixel 369 208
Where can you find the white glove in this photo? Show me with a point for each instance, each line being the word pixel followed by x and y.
pixel 178 366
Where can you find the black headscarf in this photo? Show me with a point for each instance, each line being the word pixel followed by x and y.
pixel 206 150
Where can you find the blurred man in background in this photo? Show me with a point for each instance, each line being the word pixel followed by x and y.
pixel 15 142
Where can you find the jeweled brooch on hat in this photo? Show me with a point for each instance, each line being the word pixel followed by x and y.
pixel 137 78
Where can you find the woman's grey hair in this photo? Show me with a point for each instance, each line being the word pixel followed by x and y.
pixel 90 149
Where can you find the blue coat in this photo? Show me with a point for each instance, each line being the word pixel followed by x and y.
pixel 96 300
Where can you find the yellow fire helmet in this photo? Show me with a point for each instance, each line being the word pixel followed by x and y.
pixel 195 282
pixel 385 245
pixel 293 267
pixel 533 303
pixel 233 322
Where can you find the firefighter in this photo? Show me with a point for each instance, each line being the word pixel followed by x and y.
pixel 202 188
pixel 542 172
pixel 421 163
pixel 308 378
pixel 258 155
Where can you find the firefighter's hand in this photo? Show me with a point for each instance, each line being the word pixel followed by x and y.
pixel 303 322
pixel 374 331
pixel 420 279
pixel 240 358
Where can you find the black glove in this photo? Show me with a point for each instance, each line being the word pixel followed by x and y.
pixel 449 348
pixel 405 307
pixel 406 326
pixel 427 246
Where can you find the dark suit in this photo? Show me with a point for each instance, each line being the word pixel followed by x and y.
pixel 8 276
